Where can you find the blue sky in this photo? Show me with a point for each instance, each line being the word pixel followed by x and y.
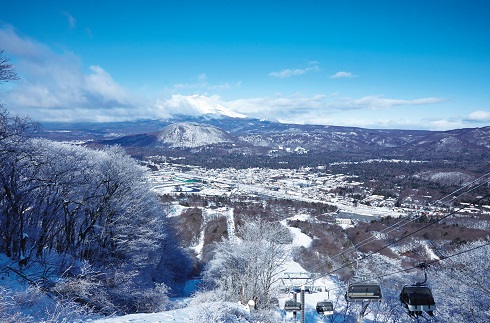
pixel 373 64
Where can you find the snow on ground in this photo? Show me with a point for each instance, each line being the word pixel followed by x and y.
pixel 379 235
pixel 367 210
pixel 292 266
pixel 176 210
pixel 429 251
pixel 299 238
pixel 411 245
pixel 345 226
pixel 190 313
pixel 180 315
pixel 300 217
pixel 296 271
pixel 198 248
pixel 185 314
pixel 7 277
pixel 209 191
pixel 311 300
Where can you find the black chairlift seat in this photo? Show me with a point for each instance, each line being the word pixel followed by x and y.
pixel 292 305
pixel 324 308
pixel 418 299
pixel 360 292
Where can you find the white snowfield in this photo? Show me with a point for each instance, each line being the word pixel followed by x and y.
pixel 180 315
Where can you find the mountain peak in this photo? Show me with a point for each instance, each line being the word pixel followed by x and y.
pixel 191 135
pixel 199 105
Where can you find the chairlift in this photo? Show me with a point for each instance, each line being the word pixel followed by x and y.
pixel 324 308
pixel 417 298
pixel 292 305
pixel 362 292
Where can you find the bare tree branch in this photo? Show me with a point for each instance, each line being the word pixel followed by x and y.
pixel 7 72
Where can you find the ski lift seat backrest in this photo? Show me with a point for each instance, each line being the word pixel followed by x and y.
pixel 358 292
pixel 418 297
pixel 324 308
pixel 292 305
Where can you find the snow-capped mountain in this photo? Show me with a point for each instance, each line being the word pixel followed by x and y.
pixel 198 105
pixel 191 135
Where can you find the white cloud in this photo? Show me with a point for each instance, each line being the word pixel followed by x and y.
pixel 479 116
pixel 421 123
pixel 203 85
pixel 377 102
pixel 101 83
pixel 53 85
pixel 445 124
pixel 296 108
pixel 316 106
pixel 278 104
pixel 193 105
pixel 312 67
pixel 21 47
pixel 333 109
pixel 72 22
pixel 342 74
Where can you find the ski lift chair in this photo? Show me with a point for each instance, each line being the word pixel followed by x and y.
pixel 417 299
pixel 324 308
pixel 362 292
pixel 292 305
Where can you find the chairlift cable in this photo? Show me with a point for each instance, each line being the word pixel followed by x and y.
pixel 428 225
pixel 396 226
pixel 433 261
pixel 435 203
pixel 431 305
pixel 403 237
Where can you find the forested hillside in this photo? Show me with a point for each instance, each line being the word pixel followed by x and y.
pixel 81 227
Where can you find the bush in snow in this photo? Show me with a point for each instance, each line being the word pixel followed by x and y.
pixel 212 307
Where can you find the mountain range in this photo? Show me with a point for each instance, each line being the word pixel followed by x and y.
pixel 231 135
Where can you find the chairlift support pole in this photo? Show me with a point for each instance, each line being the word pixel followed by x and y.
pixel 303 304
pixel 295 297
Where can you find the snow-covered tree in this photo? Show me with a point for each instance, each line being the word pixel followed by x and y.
pixel 7 72
pixel 460 284
pixel 247 269
pixel 16 171
pixel 63 205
